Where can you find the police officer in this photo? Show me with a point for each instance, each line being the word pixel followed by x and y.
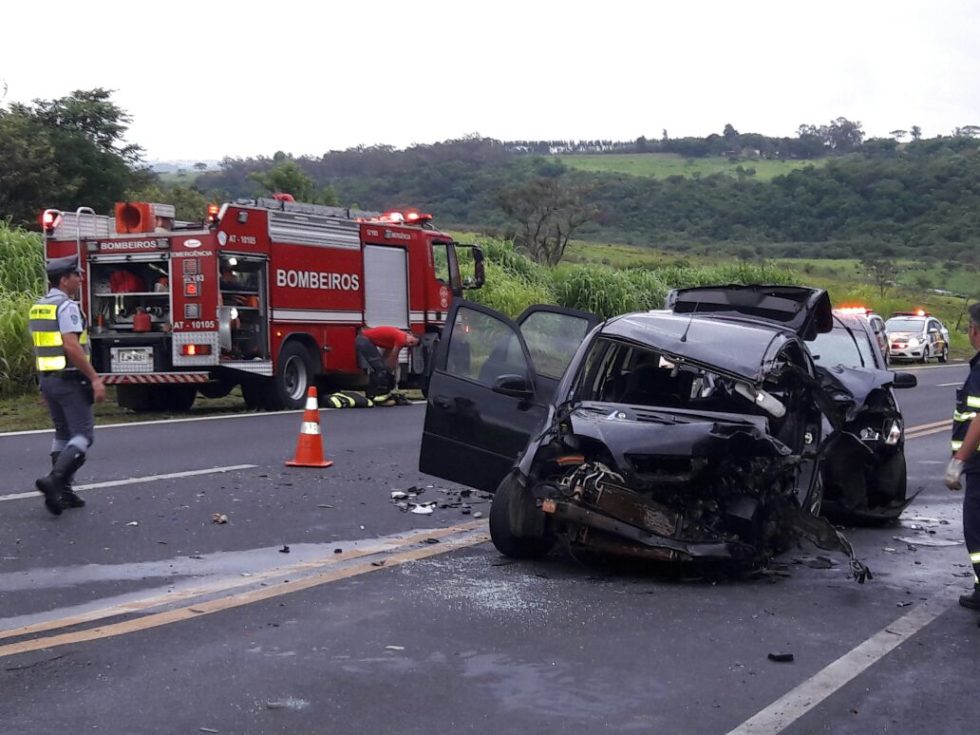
pixel 966 458
pixel 69 383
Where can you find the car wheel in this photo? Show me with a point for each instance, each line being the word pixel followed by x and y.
pixel 925 355
pixel 508 518
pixel 944 357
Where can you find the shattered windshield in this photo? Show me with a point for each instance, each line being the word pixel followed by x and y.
pixel 620 372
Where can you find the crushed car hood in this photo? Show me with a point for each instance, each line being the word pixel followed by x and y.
pixel 633 433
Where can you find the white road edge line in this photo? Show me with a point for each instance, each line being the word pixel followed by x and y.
pixel 138 480
pixel 797 702
pixel 191 419
pixel 947 385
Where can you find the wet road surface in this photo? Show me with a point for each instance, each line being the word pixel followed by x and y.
pixel 138 614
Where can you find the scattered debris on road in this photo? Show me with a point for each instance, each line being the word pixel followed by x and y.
pixel 133 523
pixel 219 518
pixel 284 549
pixel 781 657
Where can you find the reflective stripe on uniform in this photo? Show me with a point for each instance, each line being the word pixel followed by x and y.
pixel 49 352
pixel 956 444
pixel 973 401
pixel 961 416
pixel 975 557
pixel 49 349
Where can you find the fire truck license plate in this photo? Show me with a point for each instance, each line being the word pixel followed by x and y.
pixel 132 359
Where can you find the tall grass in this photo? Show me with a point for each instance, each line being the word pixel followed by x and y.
pixel 21 283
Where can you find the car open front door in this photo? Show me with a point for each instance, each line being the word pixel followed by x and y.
pixel 485 397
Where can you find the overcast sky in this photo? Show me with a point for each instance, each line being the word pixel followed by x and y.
pixel 204 80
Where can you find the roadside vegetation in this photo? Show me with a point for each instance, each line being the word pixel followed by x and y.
pixel 663 165
pixel 892 224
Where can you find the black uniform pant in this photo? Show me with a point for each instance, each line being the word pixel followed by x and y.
pixel 381 379
pixel 971 520
pixel 69 398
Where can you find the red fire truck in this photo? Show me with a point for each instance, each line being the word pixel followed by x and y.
pixel 266 294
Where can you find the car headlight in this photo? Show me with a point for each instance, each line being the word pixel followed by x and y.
pixel 893 433
pixel 913 341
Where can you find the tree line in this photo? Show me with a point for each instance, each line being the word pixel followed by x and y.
pixel 882 197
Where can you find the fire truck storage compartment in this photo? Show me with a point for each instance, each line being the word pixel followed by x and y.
pixel 243 315
pixel 385 286
pixel 122 287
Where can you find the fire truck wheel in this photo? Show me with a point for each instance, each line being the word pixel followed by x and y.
pixel 215 389
pixel 140 397
pixel 253 391
pixel 180 398
pixel 294 376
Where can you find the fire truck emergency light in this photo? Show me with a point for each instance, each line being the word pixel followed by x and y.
pixel 50 219
pixel 213 214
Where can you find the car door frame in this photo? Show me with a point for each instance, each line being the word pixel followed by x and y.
pixel 474 434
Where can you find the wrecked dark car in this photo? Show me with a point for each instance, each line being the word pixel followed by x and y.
pixel 864 472
pixel 695 433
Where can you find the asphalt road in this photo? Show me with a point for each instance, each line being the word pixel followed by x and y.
pixel 139 614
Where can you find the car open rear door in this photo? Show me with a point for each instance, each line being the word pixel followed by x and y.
pixel 485 396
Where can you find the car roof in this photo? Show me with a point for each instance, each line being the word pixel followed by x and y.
pixel 736 346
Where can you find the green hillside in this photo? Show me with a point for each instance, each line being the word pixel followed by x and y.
pixel 662 165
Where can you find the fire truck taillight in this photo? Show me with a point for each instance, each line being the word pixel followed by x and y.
pixel 190 289
pixel 193 350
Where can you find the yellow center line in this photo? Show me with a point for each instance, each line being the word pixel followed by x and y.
pixel 937 430
pixel 943 424
pixel 388 546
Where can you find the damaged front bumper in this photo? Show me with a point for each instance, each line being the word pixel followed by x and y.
pixel 599 512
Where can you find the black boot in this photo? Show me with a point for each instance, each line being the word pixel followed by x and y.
pixel 972 600
pixel 53 485
pixel 69 498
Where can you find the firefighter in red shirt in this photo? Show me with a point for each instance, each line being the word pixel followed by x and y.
pixel 377 349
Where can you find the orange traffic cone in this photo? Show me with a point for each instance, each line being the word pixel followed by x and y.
pixel 309 446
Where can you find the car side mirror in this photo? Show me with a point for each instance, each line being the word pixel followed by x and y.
pixel 515 386
pixel 905 380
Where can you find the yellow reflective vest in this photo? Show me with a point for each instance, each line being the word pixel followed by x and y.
pixel 49 348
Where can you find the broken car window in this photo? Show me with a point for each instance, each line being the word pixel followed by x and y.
pixel 618 372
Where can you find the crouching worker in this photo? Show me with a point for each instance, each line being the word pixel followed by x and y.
pixel 68 381
pixel 378 349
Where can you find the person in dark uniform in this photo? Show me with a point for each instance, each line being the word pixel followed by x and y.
pixel 965 462
pixel 69 383
pixel 378 349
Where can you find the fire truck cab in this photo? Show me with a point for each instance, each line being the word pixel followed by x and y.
pixel 267 294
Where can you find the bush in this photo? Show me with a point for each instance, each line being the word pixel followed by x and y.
pixel 21 283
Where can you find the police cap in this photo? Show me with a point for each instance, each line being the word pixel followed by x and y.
pixel 60 266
